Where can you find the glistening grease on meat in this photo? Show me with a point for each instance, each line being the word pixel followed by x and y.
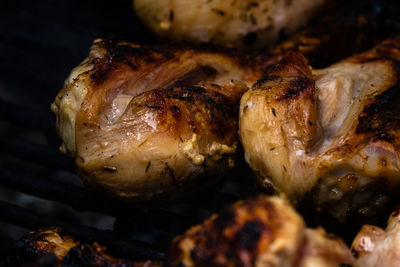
pixel 330 135
pixel 148 121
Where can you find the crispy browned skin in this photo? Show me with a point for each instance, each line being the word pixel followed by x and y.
pixel 263 231
pixel 330 39
pixel 331 134
pixel 281 102
pixel 35 246
pixel 131 157
pixel 45 241
pixel 146 122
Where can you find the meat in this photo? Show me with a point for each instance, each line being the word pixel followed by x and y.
pixel 262 231
pixel 109 110
pixel 329 136
pixel 148 122
pixel 331 38
pixel 374 246
pixel 246 24
pixel 52 247
pixel 43 242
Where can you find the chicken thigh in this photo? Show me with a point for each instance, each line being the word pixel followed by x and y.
pixel 144 122
pixel 329 135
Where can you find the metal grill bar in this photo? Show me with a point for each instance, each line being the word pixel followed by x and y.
pixel 82 199
pixel 162 223
pixel 26 116
pixel 79 198
pixel 117 244
pixel 35 153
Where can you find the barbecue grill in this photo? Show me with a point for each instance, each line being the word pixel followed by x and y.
pixel 44 41
pixel 41 42
pixel 151 231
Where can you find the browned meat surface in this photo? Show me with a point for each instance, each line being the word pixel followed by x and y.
pixel 331 134
pixel 245 24
pixel 260 231
pixel 147 122
pixel 374 246
pixel 123 114
pixel 46 241
pixel 53 247
pixel 263 231
pixel 331 39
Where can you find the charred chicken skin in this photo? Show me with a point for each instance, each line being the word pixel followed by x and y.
pixel 35 248
pixel 330 39
pixel 244 24
pixel 262 231
pixel 330 134
pixel 143 121
pixel 374 246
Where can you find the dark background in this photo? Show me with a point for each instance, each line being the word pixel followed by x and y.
pixel 41 41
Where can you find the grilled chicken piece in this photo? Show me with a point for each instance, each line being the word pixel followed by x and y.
pixel 262 231
pixel 137 126
pixel 55 248
pixel 248 24
pixel 331 39
pixel 374 246
pixel 331 135
pixel 347 30
pixel 45 241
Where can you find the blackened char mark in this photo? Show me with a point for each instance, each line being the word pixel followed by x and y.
pixel 225 219
pixel 297 86
pixel 382 115
pixel 273 69
pixel 292 67
pixel 125 53
pixel 264 79
pixel 248 236
pixel 103 67
pixel 185 94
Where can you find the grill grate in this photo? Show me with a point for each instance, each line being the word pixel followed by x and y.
pixel 137 234
pixel 118 243
pixel 44 40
